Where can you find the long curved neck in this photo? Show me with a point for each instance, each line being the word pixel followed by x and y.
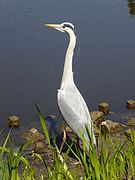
pixel 67 76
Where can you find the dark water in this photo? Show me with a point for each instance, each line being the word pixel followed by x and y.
pixel 32 56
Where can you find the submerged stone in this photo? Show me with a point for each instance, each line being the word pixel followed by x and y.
pixel 97 117
pixel 131 122
pixel 104 107
pixel 36 138
pixel 33 135
pixel 109 126
pixel 130 104
pixel 13 121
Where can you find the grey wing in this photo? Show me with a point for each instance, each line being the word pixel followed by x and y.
pixel 74 110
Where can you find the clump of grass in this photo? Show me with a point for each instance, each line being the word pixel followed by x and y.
pixel 10 160
pixel 114 160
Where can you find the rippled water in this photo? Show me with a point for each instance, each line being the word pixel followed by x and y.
pixel 32 56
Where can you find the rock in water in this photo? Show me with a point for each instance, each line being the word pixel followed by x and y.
pixel 131 122
pixel 104 107
pixel 13 121
pixel 111 127
pixel 130 104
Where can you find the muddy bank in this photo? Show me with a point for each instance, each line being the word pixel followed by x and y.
pixel 107 123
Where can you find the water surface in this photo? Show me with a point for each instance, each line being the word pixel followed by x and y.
pixel 32 56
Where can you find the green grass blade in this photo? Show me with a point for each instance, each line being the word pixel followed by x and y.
pixel 26 162
pixel 43 125
pixel 64 165
pixel 75 154
pixel 5 142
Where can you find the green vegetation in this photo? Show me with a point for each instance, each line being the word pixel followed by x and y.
pixel 114 160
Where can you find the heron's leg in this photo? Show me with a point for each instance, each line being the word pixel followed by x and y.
pixel 64 139
pixel 77 141
pixel 78 145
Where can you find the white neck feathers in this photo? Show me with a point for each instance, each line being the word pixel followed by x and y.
pixel 68 72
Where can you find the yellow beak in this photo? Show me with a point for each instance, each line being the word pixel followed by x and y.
pixel 53 25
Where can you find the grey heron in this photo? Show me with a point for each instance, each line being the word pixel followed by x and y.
pixel 70 101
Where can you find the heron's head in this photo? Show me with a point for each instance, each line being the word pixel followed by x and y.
pixel 63 27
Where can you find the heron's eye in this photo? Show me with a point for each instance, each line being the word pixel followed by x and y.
pixel 68 26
